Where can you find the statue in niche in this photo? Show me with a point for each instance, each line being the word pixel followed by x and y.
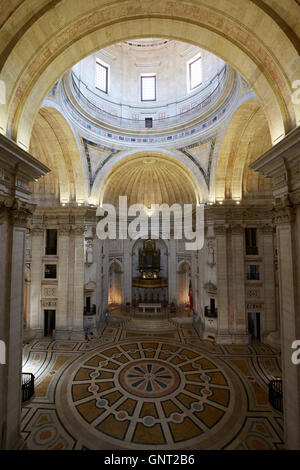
pixel 211 254
pixel 89 252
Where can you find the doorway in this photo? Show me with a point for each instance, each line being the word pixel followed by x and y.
pixel 49 322
pixel 254 326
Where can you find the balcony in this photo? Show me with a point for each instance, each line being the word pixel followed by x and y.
pixel 210 313
pixel 91 310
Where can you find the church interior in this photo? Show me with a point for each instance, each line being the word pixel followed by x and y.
pixel 141 343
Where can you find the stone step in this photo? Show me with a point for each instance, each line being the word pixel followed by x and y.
pixel 149 325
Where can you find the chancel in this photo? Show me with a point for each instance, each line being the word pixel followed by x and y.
pixel 145 342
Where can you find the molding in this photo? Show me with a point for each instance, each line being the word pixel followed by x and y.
pixel 281 163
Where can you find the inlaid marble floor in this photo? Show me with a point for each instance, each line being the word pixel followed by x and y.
pixel 139 390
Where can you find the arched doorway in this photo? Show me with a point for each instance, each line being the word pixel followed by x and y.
pixel 183 279
pixel 115 285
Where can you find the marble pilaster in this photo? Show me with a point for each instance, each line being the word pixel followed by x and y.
pixel 222 282
pixel 238 284
pixel 17 169
pixel 282 164
pixel 62 323
pixel 77 325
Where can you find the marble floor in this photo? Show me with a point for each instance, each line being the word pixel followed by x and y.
pixel 150 390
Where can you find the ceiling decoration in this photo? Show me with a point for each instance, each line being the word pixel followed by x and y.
pixel 147 42
pixel 201 153
pixel 97 155
pixel 149 180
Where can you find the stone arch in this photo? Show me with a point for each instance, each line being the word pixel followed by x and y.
pixel 71 149
pixel 31 62
pixel 240 144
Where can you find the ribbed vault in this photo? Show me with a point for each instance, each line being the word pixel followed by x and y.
pixel 149 180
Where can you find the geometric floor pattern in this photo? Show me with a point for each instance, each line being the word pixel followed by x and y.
pixel 135 390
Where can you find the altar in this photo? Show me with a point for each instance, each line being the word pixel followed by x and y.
pixel 150 286
pixel 149 305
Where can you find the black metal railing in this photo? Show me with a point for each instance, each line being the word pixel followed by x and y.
pixel 275 394
pixel 91 310
pixel 210 313
pixel 27 386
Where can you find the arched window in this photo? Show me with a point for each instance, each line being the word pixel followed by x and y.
pixel 102 71
pixel 194 73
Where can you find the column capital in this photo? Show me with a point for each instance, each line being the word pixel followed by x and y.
pixel 37 229
pixel 19 217
pixel 64 230
pixel 220 229
pixel 267 229
pixel 284 215
pixel 237 229
pixel 79 229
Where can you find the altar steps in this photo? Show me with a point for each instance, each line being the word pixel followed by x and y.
pixel 150 324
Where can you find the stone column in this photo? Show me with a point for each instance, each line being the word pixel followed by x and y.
pixel 288 236
pixel 269 321
pixel 17 168
pixel 37 251
pixel 77 327
pixel 238 268
pixel 281 163
pixel 62 323
pixel 172 270
pixel 222 285
pixel 12 239
pixel 127 275
pixel 99 298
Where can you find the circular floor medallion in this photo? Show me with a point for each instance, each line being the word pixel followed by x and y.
pixel 150 394
pixel 149 378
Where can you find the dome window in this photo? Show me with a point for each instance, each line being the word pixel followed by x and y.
pixel 148 87
pixel 102 71
pixel 194 73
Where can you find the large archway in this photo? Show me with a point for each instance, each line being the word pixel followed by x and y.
pixel 32 62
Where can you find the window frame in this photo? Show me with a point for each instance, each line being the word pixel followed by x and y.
pixel 107 69
pixel 189 67
pixel 148 75
pixel 50 278
pixel 251 245
pixel 256 272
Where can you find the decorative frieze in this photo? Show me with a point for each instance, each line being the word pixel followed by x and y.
pixel 50 292
pixel 258 306
pixel 253 292
pixel 51 304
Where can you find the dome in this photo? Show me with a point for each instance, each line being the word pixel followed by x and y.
pixel 154 84
pixel 150 179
